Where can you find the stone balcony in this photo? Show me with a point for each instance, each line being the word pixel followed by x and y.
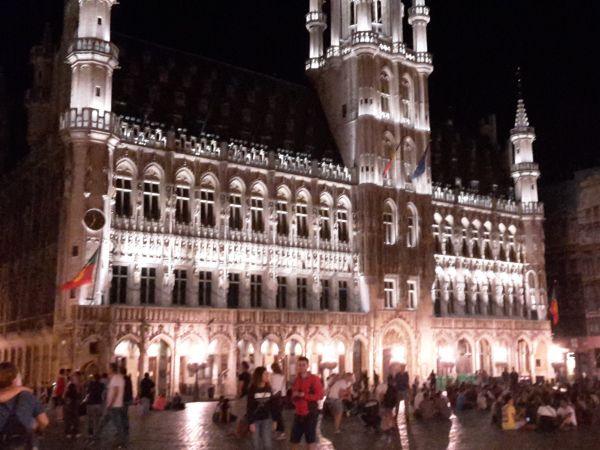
pixel 89 45
pixel 157 314
pixel 90 119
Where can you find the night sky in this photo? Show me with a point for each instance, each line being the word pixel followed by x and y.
pixel 477 45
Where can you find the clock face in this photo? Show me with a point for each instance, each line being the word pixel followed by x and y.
pixel 94 219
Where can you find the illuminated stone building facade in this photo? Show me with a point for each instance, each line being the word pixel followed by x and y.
pixel 285 223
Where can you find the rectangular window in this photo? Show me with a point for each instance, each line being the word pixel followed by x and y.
pixel 301 293
pixel 389 291
pixel 410 233
pixel 324 301
pixel 256 210
pixel 148 286
pixel 98 91
pixel 342 223
pixel 343 295
pixel 233 293
pixel 255 291
pixel 151 200
pixel 118 286
pixel 325 232
pixel 302 220
pixel 281 299
pixel 180 287
pixel 123 196
pixel 182 206
pixel 235 212
pixel 412 294
pixel 204 288
pixel 207 207
pixel 388 228
pixel 282 218
pixel 99 21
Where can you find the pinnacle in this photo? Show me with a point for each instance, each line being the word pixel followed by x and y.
pixel 521 119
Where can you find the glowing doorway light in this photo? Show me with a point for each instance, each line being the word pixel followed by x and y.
pixel 556 354
pixel 446 354
pixel 398 354
pixel 501 354
pixel 269 348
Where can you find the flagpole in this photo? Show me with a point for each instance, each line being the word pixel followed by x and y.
pixel 96 269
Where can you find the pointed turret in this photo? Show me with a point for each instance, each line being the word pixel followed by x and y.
pixel 525 171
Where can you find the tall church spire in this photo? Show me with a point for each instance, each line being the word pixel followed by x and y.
pixel 525 171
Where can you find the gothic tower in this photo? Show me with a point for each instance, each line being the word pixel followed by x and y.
pixel 373 87
pixel 525 171
pixel 89 131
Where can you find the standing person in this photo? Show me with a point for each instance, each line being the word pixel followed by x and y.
pixel 279 388
pixel 58 393
pixel 338 392
pixel 21 414
pixel 387 396
pixel 402 384
pixel 114 405
pixel 260 409
pixel 505 377
pixel 127 400
pixel 146 393
pixel 71 411
pixel 307 391
pixel 244 378
pixel 514 379
pixel 432 381
pixel 94 392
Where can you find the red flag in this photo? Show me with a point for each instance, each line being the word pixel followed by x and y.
pixel 85 275
pixel 554 307
pixel 388 166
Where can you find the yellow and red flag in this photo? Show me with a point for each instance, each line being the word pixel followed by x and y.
pixel 85 275
pixel 553 310
pixel 389 164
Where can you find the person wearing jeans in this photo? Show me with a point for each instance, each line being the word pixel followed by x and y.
pixel 278 387
pixel 260 410
pixel 94 404
pixel 114 405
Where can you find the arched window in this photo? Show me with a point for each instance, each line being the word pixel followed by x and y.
pixel 384 94
pixel 407 98
pixel 302 216
pixel 377 12
pixel 412 226
pixel 343 229
pixel 448 232
pixel 152 179
pixel 389 223
pixel 207 202
pixel 283 199
pixel 123 189
pixel 325 218
pixel 257 208
pixel 235 206
pixel 184 183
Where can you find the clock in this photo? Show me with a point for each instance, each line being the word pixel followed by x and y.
pixel 94 219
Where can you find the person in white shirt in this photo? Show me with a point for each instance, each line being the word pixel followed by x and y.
pixel 114 405
pixel 567 416
pixel 339 391
pixel 279 390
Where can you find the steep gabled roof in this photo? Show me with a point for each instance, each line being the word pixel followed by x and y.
pixel 176 89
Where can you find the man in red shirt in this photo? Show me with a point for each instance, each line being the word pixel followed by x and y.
pixel 307 391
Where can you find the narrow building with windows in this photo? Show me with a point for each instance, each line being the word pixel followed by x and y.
pixel 243 218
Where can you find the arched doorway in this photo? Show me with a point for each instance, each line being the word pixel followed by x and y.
pixel 446 359
pixel 193 362
pixel 246 352
pixel 501 357
pixel 484 351
pixel 523 366
pixel 218 353
pixel 270 353
pixel 394 354
pixel 293 349
pixel 541 359
pixel 160 365
pixel 464 360
pixel 127 354
pixel 359 358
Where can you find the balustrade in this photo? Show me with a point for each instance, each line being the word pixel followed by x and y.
pixel 94 45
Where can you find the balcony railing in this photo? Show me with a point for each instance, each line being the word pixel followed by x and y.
pixel 90 119
pixel 94 45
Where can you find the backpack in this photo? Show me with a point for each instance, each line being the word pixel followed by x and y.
pixel 390 398
pixel 13 433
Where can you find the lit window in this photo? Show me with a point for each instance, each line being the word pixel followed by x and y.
pixel 256 211
pixel 412 231
pixel 282 218
pixel 384 93
pixel 302 220
pixel 342 224
pixel 325 231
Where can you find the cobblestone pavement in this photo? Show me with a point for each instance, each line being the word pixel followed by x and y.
pixel 193 429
